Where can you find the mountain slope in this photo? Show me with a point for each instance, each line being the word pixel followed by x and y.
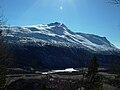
pixel 59 34
pixel 55 46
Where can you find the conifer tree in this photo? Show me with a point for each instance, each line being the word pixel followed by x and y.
pixel 3 55
pixel 93 80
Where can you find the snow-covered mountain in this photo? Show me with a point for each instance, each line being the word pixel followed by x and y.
pixel 55 46
pixel 57 34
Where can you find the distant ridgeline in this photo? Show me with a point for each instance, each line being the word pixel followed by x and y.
pixel 55 46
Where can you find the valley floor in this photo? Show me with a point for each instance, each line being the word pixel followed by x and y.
pixel 58 81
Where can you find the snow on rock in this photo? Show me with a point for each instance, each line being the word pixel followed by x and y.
pixel 57 33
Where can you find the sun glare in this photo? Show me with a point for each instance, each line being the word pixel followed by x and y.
pixel 61 7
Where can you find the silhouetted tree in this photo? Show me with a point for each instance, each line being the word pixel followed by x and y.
pixel 115 1
pixel 2 67
pixel 3 55
pixel 93 81
pixel 115 66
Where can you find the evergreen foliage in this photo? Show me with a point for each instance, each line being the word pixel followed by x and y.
pixel 2 65
pixel 3 55
pixel 93 81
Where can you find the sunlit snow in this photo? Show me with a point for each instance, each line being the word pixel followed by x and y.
pixel 56 71
pixel 57 33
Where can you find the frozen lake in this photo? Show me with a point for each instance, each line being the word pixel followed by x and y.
pixel 56 71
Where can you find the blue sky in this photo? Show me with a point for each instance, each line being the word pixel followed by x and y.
pixel 88 16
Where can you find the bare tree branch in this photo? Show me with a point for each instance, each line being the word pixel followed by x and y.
pixel 115 1
pixel 3 53
pixel 3 20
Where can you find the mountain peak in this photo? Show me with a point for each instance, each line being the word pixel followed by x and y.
pixel 57 24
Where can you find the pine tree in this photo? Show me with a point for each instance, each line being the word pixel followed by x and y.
pixel 93 80
pixel 2 74
pixel 2 65
pixel 3 56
